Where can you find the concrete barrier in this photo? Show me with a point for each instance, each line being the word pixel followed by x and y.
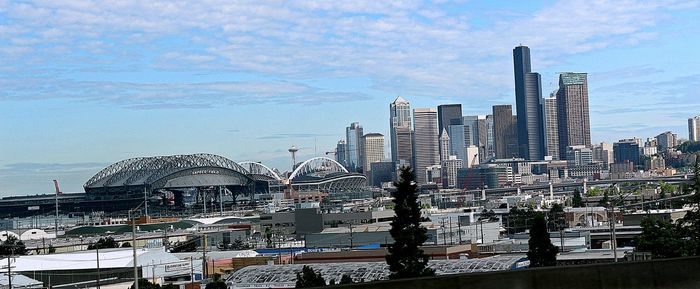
pixel 681 273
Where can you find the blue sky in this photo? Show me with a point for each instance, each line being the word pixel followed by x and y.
pixel 85 83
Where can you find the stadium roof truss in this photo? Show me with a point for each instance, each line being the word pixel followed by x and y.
pixel 171 171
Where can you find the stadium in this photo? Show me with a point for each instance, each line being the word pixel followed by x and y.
pixel 188 180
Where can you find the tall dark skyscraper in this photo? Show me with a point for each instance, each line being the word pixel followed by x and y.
pixel 504 132
pixel 528 92
pixel 353 147
pixel 572 111
pixel 448 114
pixel 340 152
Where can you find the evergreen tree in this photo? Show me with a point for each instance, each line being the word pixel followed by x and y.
pixel 406 259
pixel 216 283
pixel 12 246
pixel 689 226
pixel 307 278
pixel 541 251
pixel 346 279
pixel 661 238
pixel 556 218
pixel 577 200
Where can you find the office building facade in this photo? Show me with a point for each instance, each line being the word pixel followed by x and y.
pixel 373 150
pixel 400 131
pixel 425 141
pixel 551 127
pixel 448 114
pixel 666 140
pixel 694 128
pixel 528 92
pixel 572 111
pixel 340 152
pixel 353 141
pixel 504 132
pixel 626 151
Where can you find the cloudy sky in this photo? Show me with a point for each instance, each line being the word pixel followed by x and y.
pixel 87 83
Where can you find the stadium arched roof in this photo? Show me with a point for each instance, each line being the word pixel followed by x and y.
pixel 318 166
pixel 258 169
pixel 171 172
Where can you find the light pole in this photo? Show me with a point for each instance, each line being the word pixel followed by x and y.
pixel 133 243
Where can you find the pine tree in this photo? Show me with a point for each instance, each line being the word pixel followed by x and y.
pixel 307 278
pixel 406 259
pixel 346 279
pixel 577 201
pixel 541 253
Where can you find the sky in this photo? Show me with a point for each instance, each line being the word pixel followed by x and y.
pixel 84 84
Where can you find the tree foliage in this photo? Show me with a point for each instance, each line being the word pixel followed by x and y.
pixel 12 246
pixel 556 218
pixel 666 240
pixel 542 252
pixel 216 283
pixel 689 147
pixel 488 216
pixel 577 200
pixel 307 278
pixel 346 279
pixel 104 243
pixel 145 284
pixel 519 220
pixel 406 259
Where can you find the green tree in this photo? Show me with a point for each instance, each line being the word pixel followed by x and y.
pixel 104 243
pixel 661 238
pixel 126 245
pixel 556 218
pixel 145 284
pixel 577 200
pixel 604 202
pixel 239 245
pixel 216 283
pixel 268 236
pixel 346 279
pixel 307 278
pixel 541 251
pixel 488 216
pixel 689 225
pixel 519 220
pixel 406 259
pixel 52 249
pixel 12 246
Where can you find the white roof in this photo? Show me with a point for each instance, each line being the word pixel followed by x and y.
pixel 109 258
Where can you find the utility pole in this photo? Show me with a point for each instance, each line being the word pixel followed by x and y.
pixel 614 237
pixel 9 272
pixel 145 203
pixel 97 250
pixel 221 202
pixel 191 273
pixel 204 255
pixel 451 241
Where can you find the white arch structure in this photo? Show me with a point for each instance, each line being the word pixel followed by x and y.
pixel 316 165
pixel 257 168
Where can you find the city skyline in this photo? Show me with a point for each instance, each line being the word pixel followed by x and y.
pixel 80 93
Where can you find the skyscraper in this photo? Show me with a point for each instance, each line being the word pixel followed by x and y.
pixel 551 129
pixel 373 150
pixel 448 114
pixel 572 111
pixel 504 132
pixel 666 140
pixel 400 131
pixel 340 152
pixel 626 150
pixel 425 142
pixel 694 128
pixel 528 92
pixel 444 145
pixel 353 142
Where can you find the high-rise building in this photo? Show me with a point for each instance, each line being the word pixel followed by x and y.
pixel 404 147
pixel 448 114
pixel 353 142
pixel 666 140
pixel 528 92
pixel 578 156
pixel 626 151
pixel 472 156
pixel 572 111
pixel 504 132
pixel 450 166
pixel 490 139
pixel 444 145
pixel 340 153
pixel 603 153
pixel 694 128
pixel 551 129
pixel 458 142
pixel 400 132
pixel 425 141
pixel 373 150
